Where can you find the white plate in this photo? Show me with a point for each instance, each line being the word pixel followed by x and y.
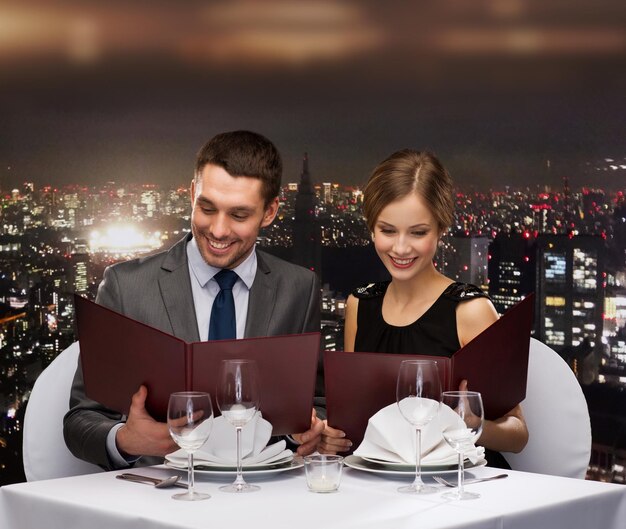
pixel 183 465
pixel 359 463
pixel 392 465
pixel 257 470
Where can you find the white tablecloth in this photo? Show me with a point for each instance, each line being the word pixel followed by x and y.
pixel 521 501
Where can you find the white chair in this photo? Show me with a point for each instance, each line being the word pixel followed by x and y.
pixel 44 452
pixel 557 417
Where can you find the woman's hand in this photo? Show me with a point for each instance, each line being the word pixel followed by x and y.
pixel 333 441
pixel 309 440
pixel 508 433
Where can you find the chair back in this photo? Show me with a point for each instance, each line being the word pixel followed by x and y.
pixel 45 454
pixel 557 416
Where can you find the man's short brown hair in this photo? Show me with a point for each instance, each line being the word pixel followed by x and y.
pixel 244 153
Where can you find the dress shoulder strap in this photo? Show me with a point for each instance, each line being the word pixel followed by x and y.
pixel 371 290
pixel 464 292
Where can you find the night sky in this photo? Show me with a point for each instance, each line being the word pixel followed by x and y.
pixel 97 91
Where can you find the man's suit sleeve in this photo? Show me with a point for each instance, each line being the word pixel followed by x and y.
pixel 312 318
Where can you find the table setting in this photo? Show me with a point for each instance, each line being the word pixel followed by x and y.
pixel 423 433
pixel 388 446
pixel 218 455
pixel 418 435
pixel 401 475
pixel 207 442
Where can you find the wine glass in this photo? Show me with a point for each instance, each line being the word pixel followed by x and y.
pixel 238 400
pixel 418 393
pixel 469 406
pixel 190 419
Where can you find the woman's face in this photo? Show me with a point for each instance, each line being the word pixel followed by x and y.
pixel 406 236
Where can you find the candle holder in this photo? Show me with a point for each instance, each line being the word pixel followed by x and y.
pixel 323 472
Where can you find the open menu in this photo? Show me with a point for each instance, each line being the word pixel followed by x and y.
pixel 495 363
pixel 118 354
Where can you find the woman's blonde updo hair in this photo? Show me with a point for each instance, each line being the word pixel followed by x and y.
pixel 409 171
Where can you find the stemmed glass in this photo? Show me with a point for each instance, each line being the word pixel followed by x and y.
pixel 418 393
pixel 238 400
pixel 469 406
pixel 190 419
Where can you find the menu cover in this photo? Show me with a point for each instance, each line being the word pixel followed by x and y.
pixel 118 354
pixel 495 363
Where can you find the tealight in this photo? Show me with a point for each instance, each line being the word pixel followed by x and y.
pixel 323 472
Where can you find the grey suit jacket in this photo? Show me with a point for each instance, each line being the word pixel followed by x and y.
pixel 284 299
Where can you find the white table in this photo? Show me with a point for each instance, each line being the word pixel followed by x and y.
pixel 521 501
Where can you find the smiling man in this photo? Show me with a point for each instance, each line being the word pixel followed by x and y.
pixel 234 194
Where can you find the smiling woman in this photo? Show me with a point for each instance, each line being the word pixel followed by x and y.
pixel 408 204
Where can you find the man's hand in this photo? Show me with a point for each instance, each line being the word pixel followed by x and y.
pixel 141 435
pixel 333 441
pixel 311 438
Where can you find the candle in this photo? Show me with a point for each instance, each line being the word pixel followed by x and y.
pixel 323 483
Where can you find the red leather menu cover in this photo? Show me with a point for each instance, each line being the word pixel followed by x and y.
pixel 494 363
pixel 118 354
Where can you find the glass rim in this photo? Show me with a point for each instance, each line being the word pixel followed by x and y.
pixel 190 394
pixel 238 361
pixel 457 393
pixel 323 457
pixel 416 361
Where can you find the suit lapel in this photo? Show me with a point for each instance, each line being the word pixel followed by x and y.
pixel 262 300
pixel 176 291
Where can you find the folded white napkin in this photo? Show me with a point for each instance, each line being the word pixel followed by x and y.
pixel 390 438
pixel 221 447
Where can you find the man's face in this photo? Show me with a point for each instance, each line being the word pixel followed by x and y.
pixel 227 214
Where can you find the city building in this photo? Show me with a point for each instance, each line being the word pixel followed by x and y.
pixel 570 299
pixel 511 269
pixel 464 259
pixel 306 230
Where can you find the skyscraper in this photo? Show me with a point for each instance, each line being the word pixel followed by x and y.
pixel 570 298
pixel 306 229
pixel 328 197
pixel 465 259
pixel 79 277
pixel 511 269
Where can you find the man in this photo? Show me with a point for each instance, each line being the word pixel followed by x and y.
pixel 234 194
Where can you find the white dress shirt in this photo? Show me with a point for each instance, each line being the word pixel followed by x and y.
pixel 205 288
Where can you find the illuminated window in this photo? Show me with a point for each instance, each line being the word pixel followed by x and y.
pixel 555 301
pixel 585 266
pixel 555 267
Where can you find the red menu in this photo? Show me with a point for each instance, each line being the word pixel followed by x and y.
pixel 494 363
pixel 118 354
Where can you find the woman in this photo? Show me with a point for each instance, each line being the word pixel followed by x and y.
pixel 408 205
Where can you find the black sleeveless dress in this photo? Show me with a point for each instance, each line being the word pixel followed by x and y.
pixel 434 333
